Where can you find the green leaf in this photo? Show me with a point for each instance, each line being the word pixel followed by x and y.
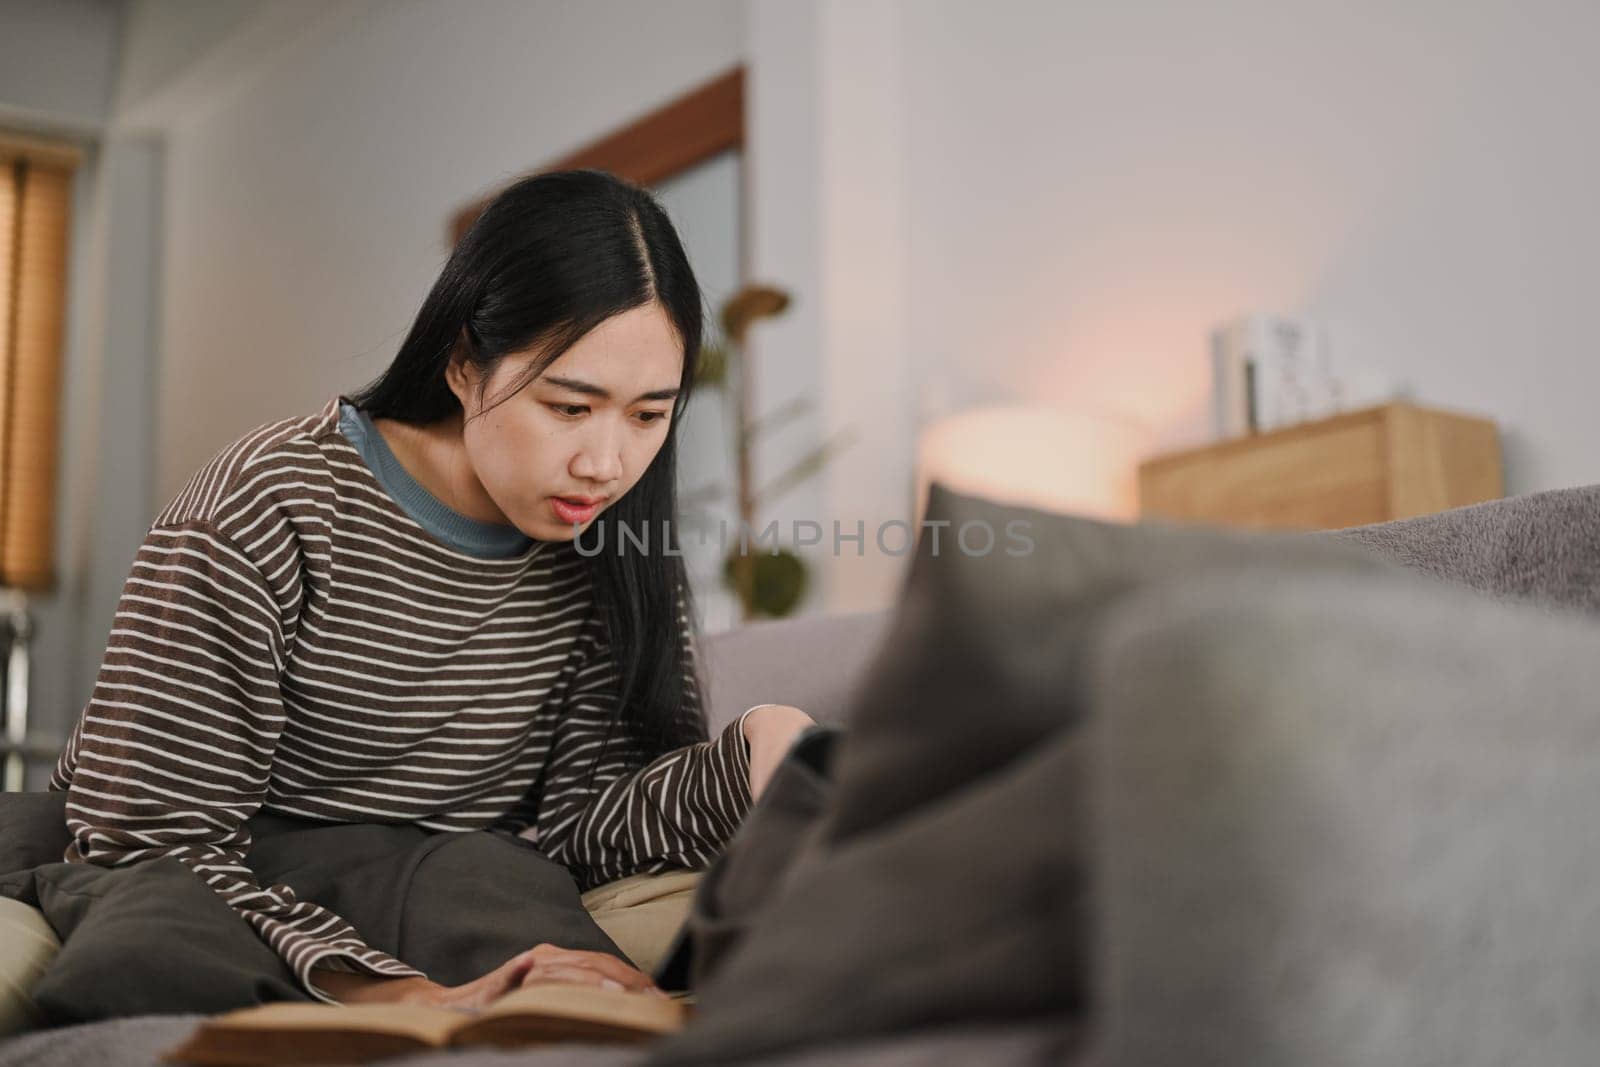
pixel 768 584
pixel 712 369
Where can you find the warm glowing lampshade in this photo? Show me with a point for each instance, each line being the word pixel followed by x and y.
pixel 1039 457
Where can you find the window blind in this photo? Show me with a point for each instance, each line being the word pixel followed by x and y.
pixel 35 218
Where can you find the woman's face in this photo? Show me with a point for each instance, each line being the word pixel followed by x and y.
pixel 587 427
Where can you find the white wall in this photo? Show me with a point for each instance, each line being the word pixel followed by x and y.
pixel 1032 201
pixel 167 43
pixel 58 61
pixel 1093 186
pixel 306 207
pixel 827 169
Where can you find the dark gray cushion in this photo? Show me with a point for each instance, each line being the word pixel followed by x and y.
pixel 950 862
pixel 748 877
pixel 33 830
pixel 968 912
pixel 947 878
pixel 1345 820
pixel 1542 547
pixel 984 654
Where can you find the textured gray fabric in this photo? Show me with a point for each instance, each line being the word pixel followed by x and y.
pixel 151 938
pixel 945 881
pixel 731 896
pixel 1043 1044
pixel 1542 547
pixel 981 670
pixel 135 1042
pixel 983 656
pixel 942 921
pixel 33 830
pixel 1019 1045
pixel 1346 821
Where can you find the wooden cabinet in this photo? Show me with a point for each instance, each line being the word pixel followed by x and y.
pixel 1388 462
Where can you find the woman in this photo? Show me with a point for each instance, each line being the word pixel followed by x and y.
pixel 377 613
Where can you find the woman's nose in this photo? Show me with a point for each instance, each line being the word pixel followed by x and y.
pixel 600 458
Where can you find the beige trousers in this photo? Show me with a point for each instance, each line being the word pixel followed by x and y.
pixel 641 914
pixel 27 945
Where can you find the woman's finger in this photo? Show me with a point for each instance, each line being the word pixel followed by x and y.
pixel 555 972
pixel 608 965
pixel 503 979
pixel 511 971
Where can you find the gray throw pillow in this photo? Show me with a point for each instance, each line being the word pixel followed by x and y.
pixel 947 879
pixel 984 654
pixel 952 861
pixel 1344 820
pixel 748 876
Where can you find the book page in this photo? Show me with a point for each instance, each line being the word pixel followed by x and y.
pixel 623 1010
pixel 431 1026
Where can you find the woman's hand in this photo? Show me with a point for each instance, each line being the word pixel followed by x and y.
pixel 771 730
pixel 542 963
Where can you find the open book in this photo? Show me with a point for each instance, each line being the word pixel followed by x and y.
pixel 272 1034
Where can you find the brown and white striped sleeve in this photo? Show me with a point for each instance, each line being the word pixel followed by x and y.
pixel 173 752
pixel 677 811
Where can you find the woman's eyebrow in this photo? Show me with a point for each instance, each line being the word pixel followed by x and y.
pixel 590 389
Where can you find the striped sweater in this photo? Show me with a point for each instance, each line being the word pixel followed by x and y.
pixel 291 641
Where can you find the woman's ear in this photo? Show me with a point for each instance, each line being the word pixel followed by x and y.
pixel 461 375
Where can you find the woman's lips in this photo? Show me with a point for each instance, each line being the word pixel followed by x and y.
pixel 569 512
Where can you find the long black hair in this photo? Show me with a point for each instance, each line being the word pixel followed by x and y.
pixel 549 259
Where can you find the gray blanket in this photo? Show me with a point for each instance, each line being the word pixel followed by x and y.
pixel 151 938
pixel 1541 549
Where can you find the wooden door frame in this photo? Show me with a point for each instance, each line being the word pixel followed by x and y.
pixel 665 142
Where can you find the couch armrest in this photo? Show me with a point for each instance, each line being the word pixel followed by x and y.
pixel 812 662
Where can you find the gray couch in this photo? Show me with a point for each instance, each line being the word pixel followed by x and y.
pixel 1340 814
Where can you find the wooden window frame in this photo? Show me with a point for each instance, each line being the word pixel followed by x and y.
pixel 659 145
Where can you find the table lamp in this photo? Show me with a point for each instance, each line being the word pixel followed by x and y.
pixel 1053 459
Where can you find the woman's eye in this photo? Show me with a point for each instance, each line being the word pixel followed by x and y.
pixel 572 411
